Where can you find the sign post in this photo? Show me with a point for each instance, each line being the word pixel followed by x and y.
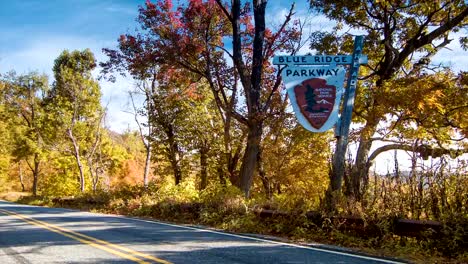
pixel 342 128
pixel 315 88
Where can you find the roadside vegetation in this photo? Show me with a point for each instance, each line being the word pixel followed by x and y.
pixel 217 144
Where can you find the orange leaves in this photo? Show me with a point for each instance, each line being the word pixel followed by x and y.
pixel 122 38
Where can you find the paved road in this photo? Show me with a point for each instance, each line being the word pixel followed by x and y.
pixel 30 234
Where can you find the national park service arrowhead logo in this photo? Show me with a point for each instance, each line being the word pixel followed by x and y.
pixel 315 99
pixel 315 94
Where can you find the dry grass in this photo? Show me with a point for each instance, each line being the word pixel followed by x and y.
pixel 14 196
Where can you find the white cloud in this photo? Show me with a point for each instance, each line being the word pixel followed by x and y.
pixel 453 55
pixel 115 8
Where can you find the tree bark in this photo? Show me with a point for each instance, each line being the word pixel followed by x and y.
pixel 20 175
pixel 249 161
pixel 146 142
pixel 203 168
pixel 265 181
pixel 221 176
pixel 252 88
pixel 360 169
pixel 76 154
pixel 251 82
pixel 35 173
pixel 174 155
pixel 94 177
pixel 147 166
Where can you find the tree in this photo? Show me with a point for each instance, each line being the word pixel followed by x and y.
pixel 143 88
pixel 5 131
pixel 204 133
pixel 402 38
pixel 294 162
pixel 24 96
pixel 74 102
pixel 168 114
pixel 192 38
pixel 254 76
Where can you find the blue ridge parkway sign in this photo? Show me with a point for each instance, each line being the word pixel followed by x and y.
pixel 316 84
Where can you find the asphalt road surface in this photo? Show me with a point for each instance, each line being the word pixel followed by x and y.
pixel 30 234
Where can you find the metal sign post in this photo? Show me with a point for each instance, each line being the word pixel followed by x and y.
pixel 342 128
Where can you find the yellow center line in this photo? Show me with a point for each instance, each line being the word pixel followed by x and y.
pixel 98 243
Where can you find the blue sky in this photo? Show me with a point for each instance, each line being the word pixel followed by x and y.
pixel 34 32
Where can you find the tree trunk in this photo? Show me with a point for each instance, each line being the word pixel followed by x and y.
pixel 221 176
pixel 20 175
pixel 204 168
pixel 147 165
pixel 175 164
pixel 249 161
pixel 252 84
pixel 360 170
pixel 338 168
pixel 174 154
pixel 148 91
pixel 94 178
pixel 76 153
pixel 265 181
pixel 94 172
pixel 336 174
pixel 232 160
pixel 35 173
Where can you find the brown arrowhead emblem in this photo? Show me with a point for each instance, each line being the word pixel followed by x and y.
pixel 316 100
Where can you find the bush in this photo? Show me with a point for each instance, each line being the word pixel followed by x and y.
pixel 220 204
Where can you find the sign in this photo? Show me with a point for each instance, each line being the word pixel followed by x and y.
pixel 315 93
pixel 315 87
pixel 317 60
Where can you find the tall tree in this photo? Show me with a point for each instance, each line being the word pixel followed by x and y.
pixel 402 37
pixel 24 96
pixel 5 131
pixel 192 37
pixel 75 103
pixel 145 128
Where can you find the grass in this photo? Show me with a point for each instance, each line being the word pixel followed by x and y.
pixel 227 211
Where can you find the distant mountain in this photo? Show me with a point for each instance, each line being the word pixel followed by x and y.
pixel 323 101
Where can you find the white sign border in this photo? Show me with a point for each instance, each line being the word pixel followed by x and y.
pixel 338 82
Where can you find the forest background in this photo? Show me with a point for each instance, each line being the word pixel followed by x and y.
pixel 213 138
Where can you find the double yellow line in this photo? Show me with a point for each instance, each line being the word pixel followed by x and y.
pixel 120 251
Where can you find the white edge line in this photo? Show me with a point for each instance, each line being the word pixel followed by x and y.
pixel 263 240
pixel 227 234
pixel 253 238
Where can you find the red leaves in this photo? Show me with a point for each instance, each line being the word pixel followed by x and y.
pixel 149 5
pixel 192 37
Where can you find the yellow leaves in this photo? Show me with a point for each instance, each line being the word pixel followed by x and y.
pixel 420 105
pixel 432 101
pixel 297 160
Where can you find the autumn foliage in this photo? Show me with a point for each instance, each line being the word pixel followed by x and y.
pixel 216 141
